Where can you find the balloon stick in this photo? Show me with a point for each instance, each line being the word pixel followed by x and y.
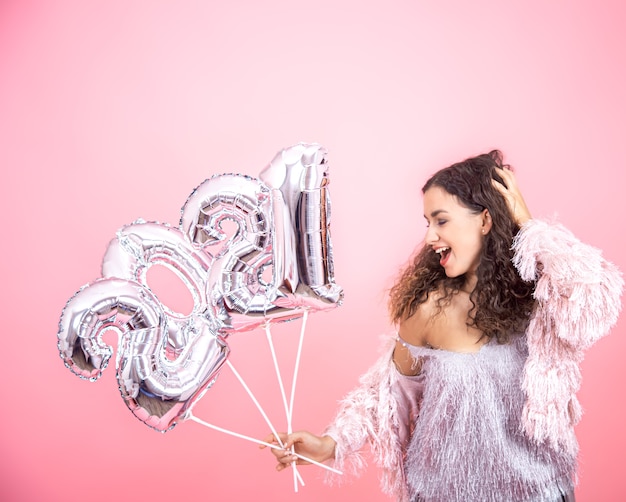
pixel 190 416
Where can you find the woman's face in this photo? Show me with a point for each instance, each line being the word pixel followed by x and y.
pixel 454 232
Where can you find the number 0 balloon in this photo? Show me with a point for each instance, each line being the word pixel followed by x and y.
pixel 274 266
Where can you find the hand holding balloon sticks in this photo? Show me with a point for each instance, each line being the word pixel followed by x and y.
pixel 277 266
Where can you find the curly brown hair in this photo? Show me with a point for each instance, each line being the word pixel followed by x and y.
pixel 501 300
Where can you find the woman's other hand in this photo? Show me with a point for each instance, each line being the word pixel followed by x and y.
pixel 511 193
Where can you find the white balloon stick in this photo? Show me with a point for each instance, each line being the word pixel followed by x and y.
pixel 260 408
pixel 190 416
pixel 297 365
pixel 268 335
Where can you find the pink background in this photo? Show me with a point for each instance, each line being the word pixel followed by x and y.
pixel 115 110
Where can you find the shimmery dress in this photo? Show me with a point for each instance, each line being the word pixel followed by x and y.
pixel 496 425
pixel 468 443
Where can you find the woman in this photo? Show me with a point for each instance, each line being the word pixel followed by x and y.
pixel 474 400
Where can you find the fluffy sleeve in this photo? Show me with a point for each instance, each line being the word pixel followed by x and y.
pixel 577 302
pixel 378 411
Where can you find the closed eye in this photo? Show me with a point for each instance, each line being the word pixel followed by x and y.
pixel 436 216
pixel 439 223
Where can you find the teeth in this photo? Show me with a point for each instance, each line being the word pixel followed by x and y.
pixel 441 250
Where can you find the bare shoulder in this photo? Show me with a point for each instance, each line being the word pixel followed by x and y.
pixel 416 328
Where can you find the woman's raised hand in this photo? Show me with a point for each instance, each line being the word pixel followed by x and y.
pixel 511 193
pixel 317 448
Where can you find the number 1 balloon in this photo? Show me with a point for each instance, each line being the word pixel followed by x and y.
pixel 276 264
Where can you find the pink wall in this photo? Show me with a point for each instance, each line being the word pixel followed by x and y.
pixel 115 110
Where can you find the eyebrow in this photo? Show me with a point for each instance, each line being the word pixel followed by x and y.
pixel 436 213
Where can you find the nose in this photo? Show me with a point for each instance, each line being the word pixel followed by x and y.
pixel 431 236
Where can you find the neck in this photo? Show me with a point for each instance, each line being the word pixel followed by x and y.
pixel 470 283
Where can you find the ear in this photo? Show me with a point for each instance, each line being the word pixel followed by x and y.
pixel 486 221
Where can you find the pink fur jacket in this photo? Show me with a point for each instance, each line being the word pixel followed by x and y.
pixel 577 302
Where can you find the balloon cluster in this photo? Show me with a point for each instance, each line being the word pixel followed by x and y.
pixel 276 263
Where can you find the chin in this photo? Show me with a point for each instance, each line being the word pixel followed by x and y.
pixel 453 274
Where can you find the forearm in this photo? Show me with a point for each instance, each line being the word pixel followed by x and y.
pixel 577 295
pixel 575 285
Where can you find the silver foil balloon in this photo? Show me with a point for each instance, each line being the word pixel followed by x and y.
pixel 298 177
pixel 160 390
pixel 157 386
pixel 104 304
pixel 235 282
pixel 274 264
pixel 279 259
pixel 140 245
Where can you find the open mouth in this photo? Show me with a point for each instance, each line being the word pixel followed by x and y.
pixel 444 254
